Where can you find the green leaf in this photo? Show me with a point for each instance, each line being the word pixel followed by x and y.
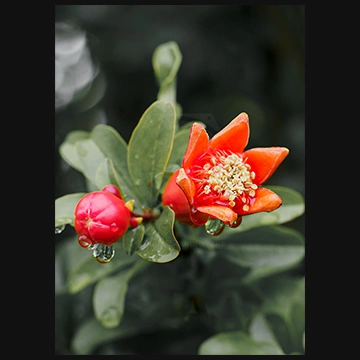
pixel 105 174
pixel 64 209
pixel 265 250
pixel 109 295
pixel 90 158
pixel 237 343
pixel 260 329
pixel 68 150
pixel 90 271
pixel 292 207
pixel 178 110
pixel 159 244
pixel 114 147
pixel 181 141
pixel 166 61
pixel 149 150
pixel 284 308
pixel 133 238
pixel 91 334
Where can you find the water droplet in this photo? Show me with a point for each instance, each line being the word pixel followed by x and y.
pixel 214 227
pixel 237 222
pixel 85 242
pixel 59 229
pixel 114 227
pixel 103 253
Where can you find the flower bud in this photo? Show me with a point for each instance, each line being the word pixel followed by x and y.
pixel 101 218
pixel 112 189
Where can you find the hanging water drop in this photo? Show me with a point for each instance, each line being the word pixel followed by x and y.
pixel 85 242
pixel 103 253
pixel 214 227
pixel 59 229
pixel 236 223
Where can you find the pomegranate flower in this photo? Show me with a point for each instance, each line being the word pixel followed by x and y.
pixel 221 180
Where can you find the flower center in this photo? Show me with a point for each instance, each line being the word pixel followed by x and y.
pixel 230 177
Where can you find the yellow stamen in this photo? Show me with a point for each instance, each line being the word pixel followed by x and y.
pixel 230 177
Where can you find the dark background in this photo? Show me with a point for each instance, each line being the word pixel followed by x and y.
pixel 235 58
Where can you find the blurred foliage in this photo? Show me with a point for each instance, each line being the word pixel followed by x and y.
pixel 229 297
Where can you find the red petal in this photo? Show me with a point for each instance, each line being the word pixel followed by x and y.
pixel 222 213
pixel 198 144
pixel 264 161
pixel 265 200
pixel 234 136
pixel 186 185
pixel 198 218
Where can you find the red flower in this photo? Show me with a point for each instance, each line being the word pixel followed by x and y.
pixel 222 181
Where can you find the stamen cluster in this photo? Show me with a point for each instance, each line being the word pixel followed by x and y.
pixel 230 177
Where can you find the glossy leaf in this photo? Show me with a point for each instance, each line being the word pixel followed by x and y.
pixel 133 238
pixel 149 150
pixel 109 295
pixel 90 158
pixel 159 244
pixel 292 207
pixel 64 209
pixel 237 343
pixel 68 150
pixel 114 147
pixel 264 250
pixel 90 271
pixel 105 174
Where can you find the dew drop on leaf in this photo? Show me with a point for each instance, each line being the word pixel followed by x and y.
pixel 59 229
pixel 103 253
pixel 214 227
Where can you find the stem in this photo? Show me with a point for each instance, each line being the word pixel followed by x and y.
pixel 148 215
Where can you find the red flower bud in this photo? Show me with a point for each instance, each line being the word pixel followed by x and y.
pixel 101 218
pixel 174 197
pixel 112 189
